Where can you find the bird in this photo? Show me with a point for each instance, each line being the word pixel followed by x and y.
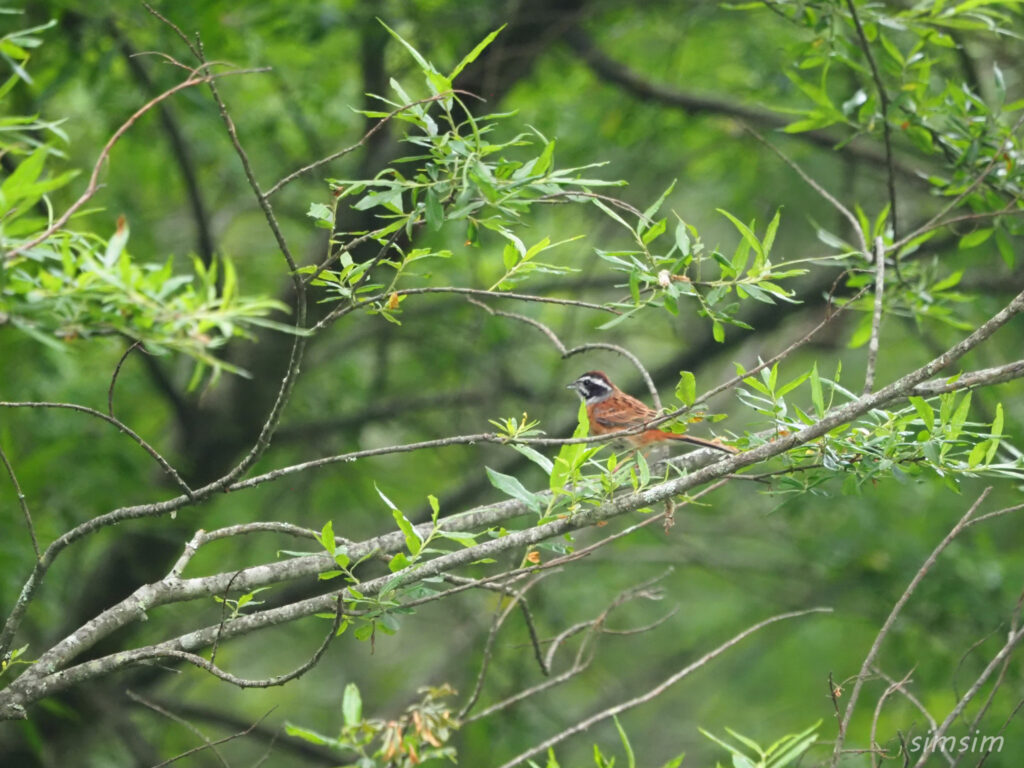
pixel 609 410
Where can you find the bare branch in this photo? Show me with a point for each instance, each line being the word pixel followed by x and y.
pixel 658 689
pixel 566 353
pixel 894 686
pixel 195 78
pixel 824 193
pixel 872 654
pixel 500 615
pixel 181 721
pixel 117 370
pixel 900 687
pixel 997 662
pixel 371 300
pixel 121 426
pixel 23 503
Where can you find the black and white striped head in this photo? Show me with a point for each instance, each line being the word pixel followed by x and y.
pixel 593 387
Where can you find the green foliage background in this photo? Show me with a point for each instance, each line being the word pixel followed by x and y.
pixel 451 367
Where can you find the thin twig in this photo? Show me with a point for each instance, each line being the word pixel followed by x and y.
pixel 584 655
pixel 178 145
pixel 177 30
pixel 883 98
pixel 566 353
pixel 657 690
pixel 644 373
pixel 366 136
pixel 194 79
pixel 909 696
pixel 209 743
pixel 894 686
pixel 369 301
pixel 500 615
pixel 265 682
pixel 972 727
pixel 936 222
pixel 113 378
pixel 997 662
pixel 998 734
pixel 824 193
pixel 876 646
pixel 121 426
pixel 224 740
pixel 876 317
pixel 23 503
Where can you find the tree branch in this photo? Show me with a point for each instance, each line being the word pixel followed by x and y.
pixel 658 689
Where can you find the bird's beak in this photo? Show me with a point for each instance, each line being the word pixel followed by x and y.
pixel 571 386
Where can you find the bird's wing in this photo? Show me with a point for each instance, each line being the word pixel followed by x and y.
pixel 625 412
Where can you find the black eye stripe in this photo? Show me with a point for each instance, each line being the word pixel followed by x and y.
pixel 593 386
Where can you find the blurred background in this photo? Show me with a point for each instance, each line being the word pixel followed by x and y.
pixel 654 90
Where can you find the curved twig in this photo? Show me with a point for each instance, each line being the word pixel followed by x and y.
pixel 656 690
pixel 117 370
pixel 872 654
pixel 121 426
pixel 194 79
pixel 23 503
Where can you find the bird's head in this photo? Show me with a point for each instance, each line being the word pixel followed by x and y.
pixel 593 387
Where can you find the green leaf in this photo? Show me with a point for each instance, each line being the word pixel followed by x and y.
pixel 977 454
pixel 544 160
pixel 321 212
pixel 790 386
pixel 653 208
pixel 925 411
pixel 997 432
pixel 975 238
pixel 1005 248
pixel 116 243
pixel 509 256
pixel 645 469
pixel 512 487
pixel 948 282
pixel 424 64
pixel 352 706
pixel 816 395
pixel 956 423
pixel 630 757
pixel 654 232
pixel 686 389
pixel 744 230
pixel 718 331
pixel 412 537
pixel 535 456
pixel 470 57
pixel 433 210
pixel 327 537
pixel 311 736
pixel 682 239
pixel 769 235
pixel 398 562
